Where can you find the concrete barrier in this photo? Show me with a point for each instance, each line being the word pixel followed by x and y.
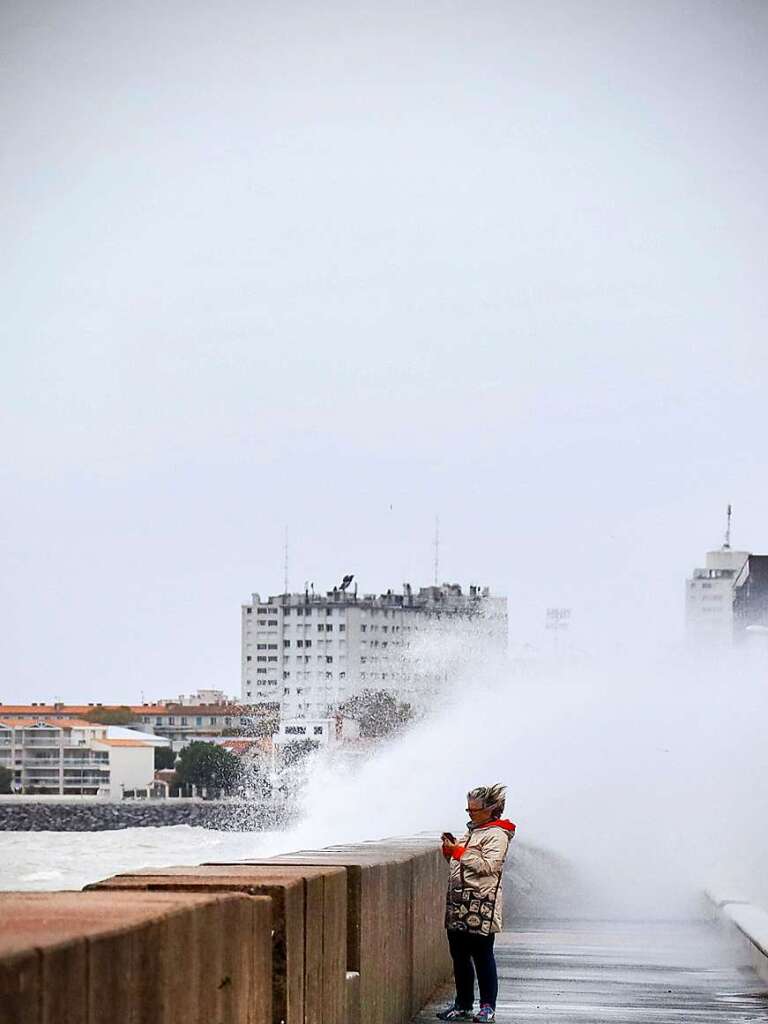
pixel 345 935
pixel 395 934
pixel 106 958
pixel 748 922
pixel 310 927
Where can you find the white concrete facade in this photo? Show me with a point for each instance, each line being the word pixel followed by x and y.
pixel 310 653
pixel 710 594
pixel 326 732
pixel 73 758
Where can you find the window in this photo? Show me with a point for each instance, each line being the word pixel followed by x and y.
pixel 384 629
pixel 329 628
pixel 363 627
pixel 248 611
pixel 295 730
pixel 227 721
pixel 171 720
pixel 286 692
pixel 261 622
pixel 286 675
pixel 320 627
pixel 184 720
pixel 329 675
pixel 261 671
pixel 261 657
pixel 271 647
pixel 299 611
pixel 272 622
pixel 317 730
pixel 307 643
pixel 273 657
pixel 263 611
pixel 212 720
pixel 329 659
pixel 247 657
pixel 342 628
pixel 286 643
pixel 342 675
pixel 261 647
pixel 299 643
pixel 198 721
pixel 329 611
pixel 299 690
pixel 158 721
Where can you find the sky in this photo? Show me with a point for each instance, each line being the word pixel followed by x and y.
pixel 337 268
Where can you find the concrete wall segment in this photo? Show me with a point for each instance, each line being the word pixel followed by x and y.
pixel 396 940
pixel 109 958
pixel 310 918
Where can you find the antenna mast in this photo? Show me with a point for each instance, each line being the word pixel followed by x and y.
pixel 728 516
pixel 285 562
pixel 437 549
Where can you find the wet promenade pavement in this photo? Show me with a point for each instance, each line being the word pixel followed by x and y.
pixel 595 972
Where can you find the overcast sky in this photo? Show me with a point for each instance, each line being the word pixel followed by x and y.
pixel 341 266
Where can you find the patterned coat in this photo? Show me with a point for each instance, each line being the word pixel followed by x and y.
pixel 474 883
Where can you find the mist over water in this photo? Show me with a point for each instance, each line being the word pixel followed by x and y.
pixel 646 781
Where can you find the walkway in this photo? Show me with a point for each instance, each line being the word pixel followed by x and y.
pixel 639 973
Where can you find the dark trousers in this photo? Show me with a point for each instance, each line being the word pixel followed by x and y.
pixel 473 955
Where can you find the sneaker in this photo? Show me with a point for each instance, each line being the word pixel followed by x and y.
pixel 487 1013
pixel 453 1012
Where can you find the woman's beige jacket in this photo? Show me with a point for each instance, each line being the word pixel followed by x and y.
pixel 474 883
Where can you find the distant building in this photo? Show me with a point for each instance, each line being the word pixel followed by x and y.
pixel 200 697
pixel 70 757
pixel 326 732
pixel 178 723
pixel 310 652
pixel 727 599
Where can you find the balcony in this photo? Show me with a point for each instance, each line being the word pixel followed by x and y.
pixel 41 773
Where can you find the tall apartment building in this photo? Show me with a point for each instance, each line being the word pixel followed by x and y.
pixel 727 599
pixel 312 652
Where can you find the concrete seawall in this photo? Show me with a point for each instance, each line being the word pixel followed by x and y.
pixel 334 936
pixel 748 923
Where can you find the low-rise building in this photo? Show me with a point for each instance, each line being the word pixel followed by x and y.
pixel 178 723
pixel 71 757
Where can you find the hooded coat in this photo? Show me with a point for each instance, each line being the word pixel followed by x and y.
pixel 474 882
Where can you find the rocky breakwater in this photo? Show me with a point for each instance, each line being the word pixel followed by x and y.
pixel 35 815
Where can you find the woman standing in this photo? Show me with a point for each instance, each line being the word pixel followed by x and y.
pixel 473 912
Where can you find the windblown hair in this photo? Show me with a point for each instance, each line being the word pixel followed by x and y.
pixel 492 797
